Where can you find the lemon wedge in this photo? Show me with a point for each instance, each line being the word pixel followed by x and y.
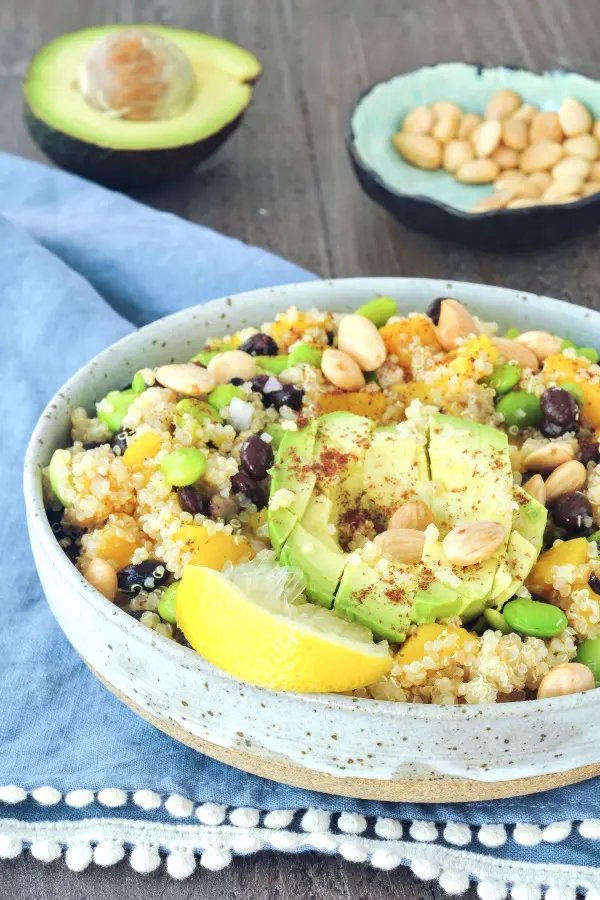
pixel 254 623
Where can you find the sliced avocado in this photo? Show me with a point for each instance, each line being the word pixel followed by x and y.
pixel 514 569
pixel 376 600
pixel 530 518
pixel 318 520
pixel 291 471
pixel 120 152
pixel 339 455
pixel 59 473
pixel 322 567
pixel 437 601
pixel 396 469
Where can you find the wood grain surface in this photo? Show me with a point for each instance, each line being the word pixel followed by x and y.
pixel 284 182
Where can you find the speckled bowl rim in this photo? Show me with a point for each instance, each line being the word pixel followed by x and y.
pixel 439 204
pixel 75 582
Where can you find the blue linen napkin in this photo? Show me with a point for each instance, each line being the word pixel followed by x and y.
pixel 79 772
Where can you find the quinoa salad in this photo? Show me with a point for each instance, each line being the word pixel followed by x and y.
pixel 401 507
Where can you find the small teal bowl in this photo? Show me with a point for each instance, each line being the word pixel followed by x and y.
pixel 434 202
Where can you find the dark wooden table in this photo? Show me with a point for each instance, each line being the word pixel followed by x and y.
pixel 284 182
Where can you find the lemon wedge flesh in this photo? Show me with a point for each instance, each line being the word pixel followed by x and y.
pixel 273 643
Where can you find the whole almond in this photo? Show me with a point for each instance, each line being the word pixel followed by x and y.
pixel 419 149
pixel 541 343
pixel 468 124
pixel 443 108
pixel 522 202
pixel 594 172
pixel 506 158
pixel 509 179
pixel 574 118
pixel 536 488
pixel 596 129
pixel 486 138
pixel 470 544
pixel 590 187
pixel 542 180
pixel 186 378
pixel 502 104
pixel 455 322
pixel 567 678
pixel 446 125
pixel 525 113
pixel 541 156
pixel 571 165
pixel 586 146
pixel 527 189
pixel 341 370
pixel 515 134
pixel 233 364
pixel 416 515
pixel 548 457
pixel 419 120
pixel 545 126
pixel 456 153
pixel 568 198
pixel 403 545
pixel 497 200
pixel 477 171
pixel 360 339
pixel 562 187
pixel 513 352
pixel 571 476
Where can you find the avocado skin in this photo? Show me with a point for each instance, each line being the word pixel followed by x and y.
pixel 123 170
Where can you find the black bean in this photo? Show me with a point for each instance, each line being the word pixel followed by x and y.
pixel 588 452
pixel 70 549
pixel 190 501
pixel 180 637
pixel 136 613
pixel 330 338
pixel 569 510
pixel 290 395
pixel 256 457
pixel 260 345
pixel 434 309
pixel 594 583
pixel 560 409
pixel 243 484
pixel 119 442
pixel 145 576
pixel 236 381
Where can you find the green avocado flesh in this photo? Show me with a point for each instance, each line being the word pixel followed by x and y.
pixel 342 471
pixel 221 71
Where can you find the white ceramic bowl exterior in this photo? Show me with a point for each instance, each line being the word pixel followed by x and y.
pixel 341 736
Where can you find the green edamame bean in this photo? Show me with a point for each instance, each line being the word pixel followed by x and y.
pixel 378 311
pixel 512 333
pixel 277 433
pixel 496 620
pixel 588 353
pixel 306 353
pixel 199 410
pixel 138 384
pixel 565 344
pixel 574 390
pixel 534 618
pixel 223 394
pixel 205 356
pixel 274 364
pixel 504 377
pixel 183 466
pixel 588 653
pixel 167 604
pixel 112 409
pixel 595 537
pixel 520 408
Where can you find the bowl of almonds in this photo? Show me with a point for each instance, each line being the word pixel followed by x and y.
pixel 499 159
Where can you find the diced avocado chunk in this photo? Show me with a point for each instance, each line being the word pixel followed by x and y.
pixel 322 567
pixel 291 471
pixel 59 473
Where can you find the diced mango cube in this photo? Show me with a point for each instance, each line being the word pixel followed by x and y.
pixel 116 549
pixel 213 549
pixel 372 405
pixel 289 329
pixel 558 367
pixel 143 448
pixel 413 649
pixel 462 360
pixel 574 552
pixel 398 336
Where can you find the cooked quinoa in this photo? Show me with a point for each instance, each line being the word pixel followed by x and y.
pixel 115 499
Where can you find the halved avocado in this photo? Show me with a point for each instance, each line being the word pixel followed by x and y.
pixel 120 153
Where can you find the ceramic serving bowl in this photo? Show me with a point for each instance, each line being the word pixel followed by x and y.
pixel 339 744
pixel 434 202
